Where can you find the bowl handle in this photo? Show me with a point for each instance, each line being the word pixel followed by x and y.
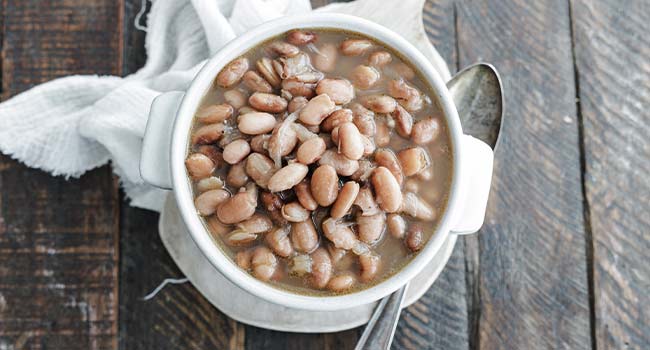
pixel 155 167
pixel 478 159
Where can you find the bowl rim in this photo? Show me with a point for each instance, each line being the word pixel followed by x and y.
pixel 182 187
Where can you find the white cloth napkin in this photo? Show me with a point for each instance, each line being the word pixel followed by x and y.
pixel 73 124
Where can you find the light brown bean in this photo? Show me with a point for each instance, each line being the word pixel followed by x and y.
pixel 425 131
pixel 283 49
pixel 324 185
pixel 396 225
pixel 207 202
pixel 272 203
pixel 342 165
pixel 364 77
pixel 326 57
pixel 304 237
pixel 321 268
pixel 237 208
pixel 240 238
pixel 413 160
pixel 267 102
pixel 256 123
pixel 341 283
pixel 364 119
pixel 403 70
pixel 310 151
pixel 243 259
pixel 233 72
pixel 350 142
pixel 237 176
pixel 379 59
pixel 371 228
pixel 287 177
pixel 299 88
pixel 355 47
pixel 417 207
pixel 294 212
pixel 335 119
pixel 366 202
pixel 209 183
pixel 278 240
pixel 339 234
pixel 370 265
pixel 265 66
pixel 301 37
pixel 208 134
pixel 335 253
pixel 345 200
pixel 296 103
pixel 303 192
pixel 264 263
pixel 403 121
pixel 426 174
pixel 259 143
pixel 283 140
pixel 214 113
pixel 368 146
pixel 365 170
pixel 387 189
pixel 383 134
pixel 246 109
pixel 387 158
pixel 236 151
pixel 317 109
pixel 258 223
pixel 256 82
pixel 235 98
pixel 217 227
pixel 260 168
pixel 199 166
pixel 340 91
pixel 214 154
pixel 379 103
pixel 415 237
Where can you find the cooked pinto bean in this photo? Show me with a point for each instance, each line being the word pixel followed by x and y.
pixel 237 208
pixel 414 237
pixel 243 258
pixel 256 123
pixel 355 47
pixel 382 136
pixel 317 109
pixel 283 49
pixel 365 170
pixel 340 91
pixel 258 223
pixel 237 175
pixel 342 165
pixel 370 264
pixel 413 160
pixel 310 150
pixel 209 183
pixel 283 140
pixel 303 236
pixel 294 212
pixel 299 88
pixel 272 203
pixel 259 143
pixel 364 120
pixel 403 121
pixel 379 59
pixel 324 185
pixel 396 225
pixel 371 228
pixel 235 98
pixel 425 131
pixel 238 238
pixel 264 263
pixel 265 66
pixel 213 153
pixel 199 166
pixel 287 177
pixel 321 268
pixel 267 102
pixel 366 202
pixel 339 234
pixel 296 103
pixel 301 37
pixel 206 203
pixel 217 227
pixel 335 119
pixel 303 192
pixel 368 146
pixel 236 151
pixel 350 142
pixel 325 58
pixel 387 158
pixel 345 199
pixel 404 70
pixel 255 82
pixel 341 283
pixel 260 168
pixel 208 134
pixel 278 240
pixel 379 103
pixel 389 196
pixel 215 113
pixel 364 77
pixel 417 208
pixel 233 72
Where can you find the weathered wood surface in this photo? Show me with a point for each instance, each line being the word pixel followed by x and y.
pixel 58 238
pixel 532 284
pixel 611 53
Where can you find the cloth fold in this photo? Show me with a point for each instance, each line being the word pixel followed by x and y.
pixel 78 123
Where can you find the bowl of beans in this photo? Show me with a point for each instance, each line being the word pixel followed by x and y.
pixel 318 161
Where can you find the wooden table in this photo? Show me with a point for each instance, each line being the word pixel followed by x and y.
pixel 562 261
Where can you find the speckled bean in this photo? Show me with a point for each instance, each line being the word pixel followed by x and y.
pixel 355 47
pixel 326 57
pixel 342 282
pixel 425 131
pixel 364 77
pixel 233 72
pixel 258 223
pixel 317 109
pixel 301 37
pixel 415 237
pixel 387 158
pixel 260 168
pixel 340 91
pixel 350 142
pixel 265 66
pixel 256 82
pixel 335 119
pixel 379 59
pixel 237 208
pixel 267 102
pixel 370 265
pixel 396 225
pixel 417 208
pixel 208 134
pixel 379 103
pixel 283 49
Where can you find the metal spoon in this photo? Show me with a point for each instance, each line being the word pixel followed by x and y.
pixel 478 94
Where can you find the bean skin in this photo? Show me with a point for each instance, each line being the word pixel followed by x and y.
pixel 236 151
pixel 379 103
pixel 364 77
pixel 208 134
pixel 304 237
pixel 342 165
pixel 341 283
pixel 303 192
pixel 287 177
pixel 340 91
pixel 355 47
pixel 366 202
pixel 257 83
pixel 207 202
pixel 387 158
pixel 199 166
pixel 260 168
pixel 371 228
pixel 370 264
pixel 278 240
pixel 294 212
pixel 325 59
pixel 301 37
pixel 379 59
pixel 345 200
pixel 267 102
pixel 256 123
pixel 316 110
pixel 387 189
pixel 237 208
pixel 233 72
pixel 413 160
pixel 425 131
pixel 335 119
pixel 264 263
pixel 350 142
pixel 396 225
pixel 339 234
pixel 321 268
pixel 237 176
pixel 236 98
pixel 214 113
pixel 415 237
pixel 258 223
pixel 324 185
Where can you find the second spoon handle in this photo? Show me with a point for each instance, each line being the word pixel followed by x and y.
pixel 380 330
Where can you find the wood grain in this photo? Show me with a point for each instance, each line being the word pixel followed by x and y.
pixel 533 269
pixel 58 238
pixel 611 57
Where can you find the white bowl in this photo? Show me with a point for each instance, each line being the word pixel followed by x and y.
pixel 470 156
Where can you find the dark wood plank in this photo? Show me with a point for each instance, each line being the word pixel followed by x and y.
pixel 533 277
pixel 58 238
pixel 611 56
pixel 179 317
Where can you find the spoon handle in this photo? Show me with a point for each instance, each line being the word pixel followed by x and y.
pixel 380 330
